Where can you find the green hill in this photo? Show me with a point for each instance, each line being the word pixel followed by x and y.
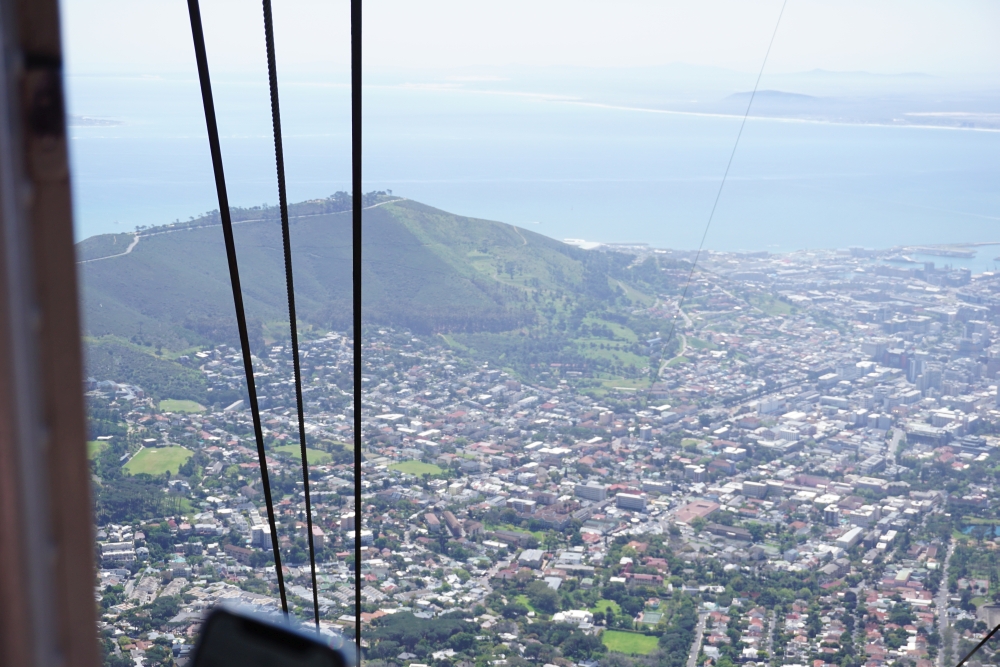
pixel 423 269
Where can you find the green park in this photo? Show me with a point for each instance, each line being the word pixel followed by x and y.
pixel 177 405
pixel 628 642
pixel 157 460
pixel 417 468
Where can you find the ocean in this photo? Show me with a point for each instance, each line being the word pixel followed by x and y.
pixel 557 166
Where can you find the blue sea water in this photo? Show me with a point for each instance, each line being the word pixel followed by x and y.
pixel 554 166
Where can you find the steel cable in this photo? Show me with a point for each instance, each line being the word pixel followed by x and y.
pixel 357 204
pixel 204 79
pixel 725 175
pixel 279 158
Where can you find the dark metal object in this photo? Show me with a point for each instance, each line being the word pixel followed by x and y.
pixel 978 646
pixel 234 638
pixel 234 274
pixel 357 204
pixel 279 157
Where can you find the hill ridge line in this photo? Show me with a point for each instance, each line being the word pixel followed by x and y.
pixel 138 235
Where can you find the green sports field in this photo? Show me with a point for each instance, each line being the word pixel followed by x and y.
pixel 174 405
pixel 417 468
pixel 316 456
pixel 95 447
pixel 157 460
pixel 628 642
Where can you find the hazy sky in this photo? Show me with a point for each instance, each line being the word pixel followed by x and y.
pixel 952 37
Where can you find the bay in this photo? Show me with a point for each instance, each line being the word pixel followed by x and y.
pixel 558 166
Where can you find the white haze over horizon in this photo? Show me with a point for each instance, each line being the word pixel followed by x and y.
pixel 603 120
pixel 943 39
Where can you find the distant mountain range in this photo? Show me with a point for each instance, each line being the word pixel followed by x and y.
pixel 971 113
pixel 851 97
pixel 773 96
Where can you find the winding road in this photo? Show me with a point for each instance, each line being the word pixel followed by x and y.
pixel 518 232
pixel 130 248
pixel 683 342
pixel 680 353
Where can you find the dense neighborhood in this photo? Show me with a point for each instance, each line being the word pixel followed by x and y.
pixel 804 474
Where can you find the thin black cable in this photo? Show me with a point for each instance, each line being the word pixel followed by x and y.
pixel 234 275
pixel 701 245
pixel 357 204
pixel 978 646
pixel 279 158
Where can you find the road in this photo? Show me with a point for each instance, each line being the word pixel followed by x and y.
pixel 683 340
pixel 680 353
pixel 130 248
pixel 769 646
pixel 684 316
pixel 518 232
pixel 941 601
pixel 696 646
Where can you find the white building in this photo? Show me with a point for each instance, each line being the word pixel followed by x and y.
pixel 631 501
pixel 118 552
pixel 575 616
pixel 755 489
pixel 531 558
pixel 590 491
pixel 260 536
pixel 850 538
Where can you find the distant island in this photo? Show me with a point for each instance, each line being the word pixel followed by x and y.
pixel 88 121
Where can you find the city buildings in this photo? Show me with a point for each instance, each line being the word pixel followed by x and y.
pixel 808 426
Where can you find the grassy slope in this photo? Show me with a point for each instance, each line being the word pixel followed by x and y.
pixel 173 289
pixel 491 248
